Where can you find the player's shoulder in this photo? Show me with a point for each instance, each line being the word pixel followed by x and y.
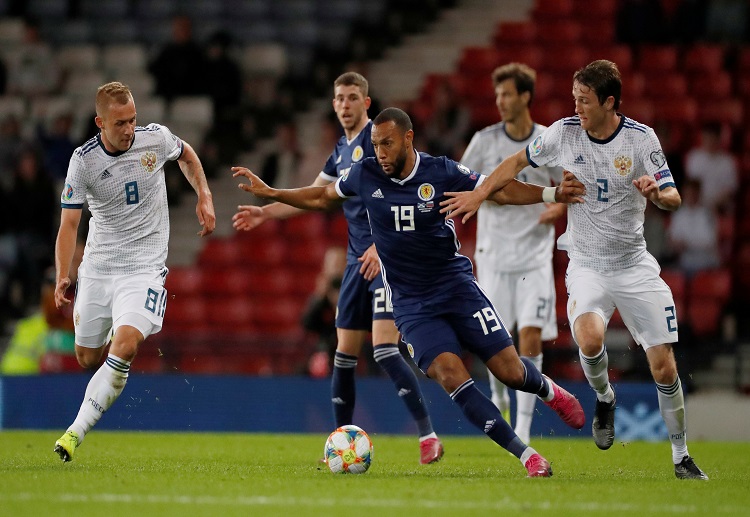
pixel 87 148
pixel 633 126
pixel 492 130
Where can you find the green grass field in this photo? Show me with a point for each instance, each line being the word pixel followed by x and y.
pixel 166 474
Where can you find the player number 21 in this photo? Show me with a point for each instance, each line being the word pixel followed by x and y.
pixel 485 317
pixel 403 218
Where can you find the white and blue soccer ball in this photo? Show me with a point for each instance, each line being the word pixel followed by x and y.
pixel 348 450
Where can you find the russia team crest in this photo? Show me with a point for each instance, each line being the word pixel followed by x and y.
pixel 148 160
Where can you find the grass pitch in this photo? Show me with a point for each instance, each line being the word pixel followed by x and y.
pixel 184 474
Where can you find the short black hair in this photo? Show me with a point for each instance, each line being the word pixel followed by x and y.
pixel 396 115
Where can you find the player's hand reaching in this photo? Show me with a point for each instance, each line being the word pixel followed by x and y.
pixel 570 190
pixel 60 289
pixel 256 186
pixel 248 217
pixel 461 203
pixel 206 215
pixel 370 263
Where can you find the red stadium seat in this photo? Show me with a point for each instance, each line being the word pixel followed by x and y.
pixel 186 314
pixel 600 10
pixel 657 59
pixel 547 112
pixel 716 86
pixel 305 226
pixel 703 59
pixel 229 281
pixel 565 58
pixel 680 110
pixel 714 284
pixel 279 315
pixel 222 252
pixel 273 281
pixel 184 281
pixel 727 111
pixel 621 55
pixel 306 252
pixel 338 229
pixel 528 54
pixel 515 33
pixel 633 85
pixel 704 317
pixel 666 85
pixel 231 315
pixel 479 61
pixel 544 10
pixel 553 32
pixel 677 283
pixel 270 253
pixel 604 35
pixel 483 114
pixel 640 110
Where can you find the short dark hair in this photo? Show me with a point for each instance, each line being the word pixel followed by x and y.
pixel 603 77
pixel 353 79
pixel 398 116
pixel 524 77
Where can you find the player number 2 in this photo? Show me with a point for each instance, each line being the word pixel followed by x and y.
pixel 602 189
pixel 487 316
pixel 671 318
pixel 403 218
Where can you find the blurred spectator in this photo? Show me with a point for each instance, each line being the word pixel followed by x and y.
pixel 715 168
pixel 280 167
pixel 32 70
pixel 10 142
pixel 319 317
pixel 726 21
pixel 641 21
pixel 179 67
pixel 48 329
pixel 225 89
pixel 32 210
pixel 694 232
pixel 447 127
pixel 57 145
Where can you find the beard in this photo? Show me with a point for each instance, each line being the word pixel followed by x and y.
pixel 397 166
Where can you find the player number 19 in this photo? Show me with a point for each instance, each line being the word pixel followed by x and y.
pixel 403 218
pixel 485 317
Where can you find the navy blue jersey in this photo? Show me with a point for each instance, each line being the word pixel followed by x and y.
pixel 338 164
pixel 418 247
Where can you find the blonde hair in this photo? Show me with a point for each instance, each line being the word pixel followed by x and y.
pixel 111 92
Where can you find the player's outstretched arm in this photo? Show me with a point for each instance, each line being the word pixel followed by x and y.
pixel 468 202
pixel 191 167
pixel 306 198
pixel 519 193
pixel 249 217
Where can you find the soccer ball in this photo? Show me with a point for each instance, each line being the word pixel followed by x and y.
pixel 348 450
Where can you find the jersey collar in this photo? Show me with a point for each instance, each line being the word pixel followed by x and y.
pixel 613 135
pixel 118 153
pixel 413 171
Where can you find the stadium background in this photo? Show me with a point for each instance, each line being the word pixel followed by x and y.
pixel 237 299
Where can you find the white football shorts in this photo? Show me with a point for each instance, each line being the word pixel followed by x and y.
pixel 105 302
pixel 523 299
pixel 644 300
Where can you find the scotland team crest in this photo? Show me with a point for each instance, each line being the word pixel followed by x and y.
pixel 358 153
pixel 623 164
pixel 426 192
pixel 148 160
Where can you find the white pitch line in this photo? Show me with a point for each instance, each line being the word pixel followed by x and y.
pixel 504 503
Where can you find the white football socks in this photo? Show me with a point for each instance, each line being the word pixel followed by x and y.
pixel 672 408
pixel 102 391
pixel 595 370
pixel 499 392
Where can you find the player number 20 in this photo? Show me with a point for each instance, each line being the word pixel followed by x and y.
pixel 486 318
pixel 403 218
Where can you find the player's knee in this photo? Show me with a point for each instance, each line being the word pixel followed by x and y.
pixel 88 357
pixel 449 371
pixel 664 373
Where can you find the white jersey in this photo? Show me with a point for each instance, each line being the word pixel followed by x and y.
pixel 606 231
pixel 510 237
pixel 127 196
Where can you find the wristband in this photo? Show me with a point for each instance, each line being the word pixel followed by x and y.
pixel 548 194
